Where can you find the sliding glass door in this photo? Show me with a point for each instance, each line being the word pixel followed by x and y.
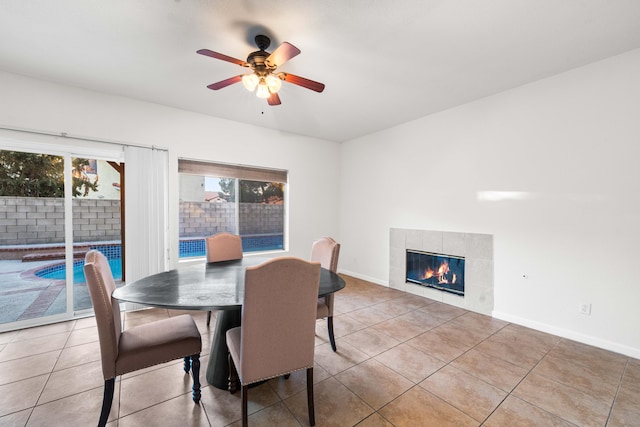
pixel 54 207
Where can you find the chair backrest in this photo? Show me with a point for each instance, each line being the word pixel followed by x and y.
pixel 224 247
pixel 107 310
pixel 326 251
pixel 278 318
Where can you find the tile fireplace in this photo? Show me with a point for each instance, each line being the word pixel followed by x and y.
pixel 467 255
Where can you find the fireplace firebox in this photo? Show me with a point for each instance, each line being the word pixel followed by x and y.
pixel 443 272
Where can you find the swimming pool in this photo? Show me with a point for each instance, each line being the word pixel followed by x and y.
pixel 58 271
pixel 188 249
pixel 250 243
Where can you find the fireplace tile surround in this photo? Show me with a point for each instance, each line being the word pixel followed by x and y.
pixel 477 250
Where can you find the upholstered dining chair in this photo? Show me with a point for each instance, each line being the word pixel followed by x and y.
pixel 326 251
pixel 139 347
pixel 277 335
pixel 223 247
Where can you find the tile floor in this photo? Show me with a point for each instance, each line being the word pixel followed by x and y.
pixel 402 360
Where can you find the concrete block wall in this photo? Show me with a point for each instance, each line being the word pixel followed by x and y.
pixel 40 220
pixel 261 219
pixel 202 219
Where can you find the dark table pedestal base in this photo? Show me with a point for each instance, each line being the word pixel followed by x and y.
pixel 218 367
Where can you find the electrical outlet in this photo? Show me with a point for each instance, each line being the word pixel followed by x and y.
pixel 585 308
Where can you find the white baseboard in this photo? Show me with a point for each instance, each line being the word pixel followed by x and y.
pixel 568 334
pixel 363 277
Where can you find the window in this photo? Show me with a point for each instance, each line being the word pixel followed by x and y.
pixel 216 197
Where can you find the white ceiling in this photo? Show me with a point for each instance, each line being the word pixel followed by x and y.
pixel 383 62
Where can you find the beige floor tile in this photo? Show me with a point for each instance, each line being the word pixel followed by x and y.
pixel 7 337
pixel 444 312
pixel 479 321
pixel 490 369
pixel 422 319
pixel 78 355
pixel 512 349
pixel 82 336
pixel 346 304
pixel 222 407
pixel 17 419
pixel 374 420
pixel 85 322
pixel 409 362
pixel 436 346
pixel 142 391
pixel 564 401
pixel 374 383
pixel 154 368
pixel 79 410
pixel 514 412
pixel 588 379
pixel 370 341
pixel 536 339
pixel 176 412
pixel 606 362
pixel 345 325
pixel 411 302
pixel 261 397
pixel 418 407
pixel 334 362
pixel 335 405
pixel 275 415
pixel 464 337
pixel 626 410
pixel 21 395
pixel 469 394
pixel 370 315
pixel 46 330
pixel 399 328
pixel 393 308
pixel 29 347
pixel 296 382
pixel 27 367
pixel 71 381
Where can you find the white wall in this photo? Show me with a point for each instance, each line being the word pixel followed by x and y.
pixel 570 145
pixel 46 107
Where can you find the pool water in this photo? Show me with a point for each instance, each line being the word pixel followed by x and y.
pixel 58 271
pixel 188 248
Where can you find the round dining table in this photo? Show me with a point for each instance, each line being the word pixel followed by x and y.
pixel 208 286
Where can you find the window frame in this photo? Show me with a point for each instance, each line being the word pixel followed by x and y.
pixel 238 172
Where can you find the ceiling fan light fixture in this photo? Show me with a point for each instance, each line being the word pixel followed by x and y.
pixel 273 83
pixel 263 90
pixel 250 81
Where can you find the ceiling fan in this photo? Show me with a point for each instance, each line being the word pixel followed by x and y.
pixel 264 79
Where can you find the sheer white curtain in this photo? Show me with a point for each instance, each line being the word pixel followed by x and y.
pixel 146 211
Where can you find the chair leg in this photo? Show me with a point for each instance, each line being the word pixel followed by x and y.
pixel 245 416
pixel 233 376
pixel 195 371
pixel 208 318
pixel 107 400
pixel 312 413
pixel 187 364
pixel 332 339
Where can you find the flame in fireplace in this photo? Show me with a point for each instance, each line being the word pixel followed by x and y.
pixel 441 273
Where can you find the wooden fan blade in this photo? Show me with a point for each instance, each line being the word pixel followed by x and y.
pixel 216 55
pixel 225 83
pixel 282 54
pixel 301 81
pixel 274 99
